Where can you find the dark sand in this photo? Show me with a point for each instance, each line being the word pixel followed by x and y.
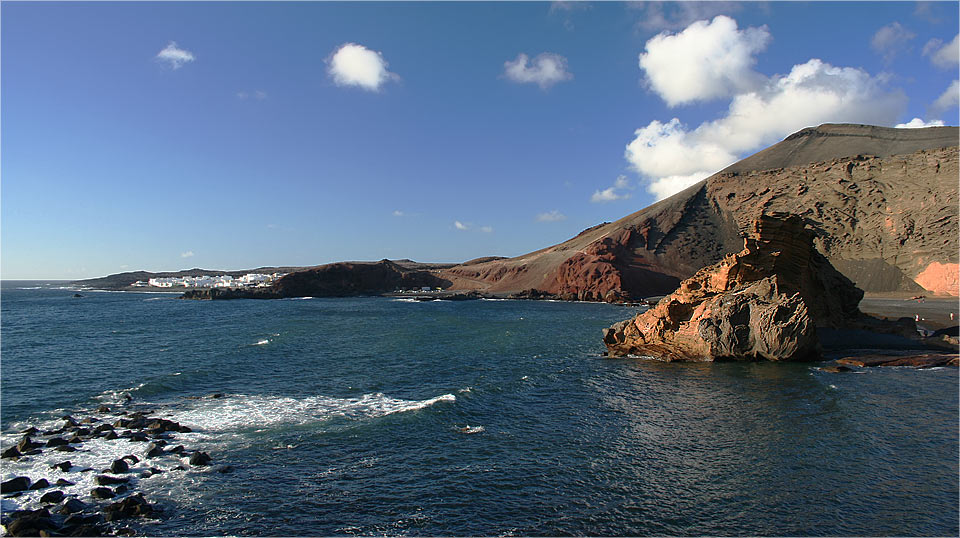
pixel 934 312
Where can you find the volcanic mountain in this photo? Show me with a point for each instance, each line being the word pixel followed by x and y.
pixel 882 204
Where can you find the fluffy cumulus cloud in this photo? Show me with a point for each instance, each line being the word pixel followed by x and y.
pixel 460 226
pixel 917 123
pixel 187 254
pixel 707 60
pixel 174 56
pixel 673 156
pixel 616 192
pixel 890 40
pixel 551 216
pixel 947 100
pixel 545 70
pixel 943 56
pixel 356 65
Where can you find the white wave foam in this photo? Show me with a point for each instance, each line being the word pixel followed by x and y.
pixel 262 342
pixel 96 454
pixel 405 300
pixel 301 298
pixel 471 429
pixel 238 411
pixel 117 396
pixel 30 288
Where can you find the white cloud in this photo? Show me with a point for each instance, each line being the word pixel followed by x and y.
pixel 187 254
pixel 460 226
pixel 546 69
pixel 399 213
pixel 917 123
pixel 551 216
pixel 486 229
pixel 259 95
pixel 943 56
pixel 568 6
pixel 705 61
pixel 616 192
pixel 565 11
pixel 891 39
pixel 665 187
pixel 672 156
pixel 947 100
pixel 674 15
pixel 356 65
pixel 669 149
pixel 174 56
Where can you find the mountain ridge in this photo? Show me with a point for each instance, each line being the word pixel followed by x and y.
pixel 649 251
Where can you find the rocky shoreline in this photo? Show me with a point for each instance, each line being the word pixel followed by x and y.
pixel 69 499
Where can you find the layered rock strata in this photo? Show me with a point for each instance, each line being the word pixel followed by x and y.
pixel 764 302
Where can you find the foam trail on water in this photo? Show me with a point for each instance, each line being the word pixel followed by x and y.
pixel 238 411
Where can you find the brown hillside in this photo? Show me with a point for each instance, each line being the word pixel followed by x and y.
pixel 881 202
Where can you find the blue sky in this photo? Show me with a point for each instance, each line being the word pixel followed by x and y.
pixel 164 136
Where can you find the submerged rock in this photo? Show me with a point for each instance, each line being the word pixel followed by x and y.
pixel 763 303
pixel 52 497
pixel 30 523
pixel 200 458
pixel 102 493
pixel 27 444
pixel 119 466
pixel 20 483
pixel 106 480
pixel 40 484
pixel 72 506
pixel 132 506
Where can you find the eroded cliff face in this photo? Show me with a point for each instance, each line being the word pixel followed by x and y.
pixel 882 204
pixel 764 302
pixel 889 224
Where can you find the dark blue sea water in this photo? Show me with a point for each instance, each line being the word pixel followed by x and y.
pixel 378 416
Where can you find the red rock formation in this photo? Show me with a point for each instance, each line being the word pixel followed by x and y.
pixel 761 303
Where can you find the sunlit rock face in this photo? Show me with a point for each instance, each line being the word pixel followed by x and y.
pixel 763 303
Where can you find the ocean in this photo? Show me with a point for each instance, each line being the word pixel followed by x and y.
pixel 376 416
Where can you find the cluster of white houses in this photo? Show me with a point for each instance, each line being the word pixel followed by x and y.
pixel 249 280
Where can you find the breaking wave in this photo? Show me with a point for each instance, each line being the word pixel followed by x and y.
pixel 237 411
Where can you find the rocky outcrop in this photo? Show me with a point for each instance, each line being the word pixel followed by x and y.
pixel 764 302
pixel 342 279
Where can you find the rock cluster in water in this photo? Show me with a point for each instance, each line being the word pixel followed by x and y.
pixel 113 499
pixel 764 302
